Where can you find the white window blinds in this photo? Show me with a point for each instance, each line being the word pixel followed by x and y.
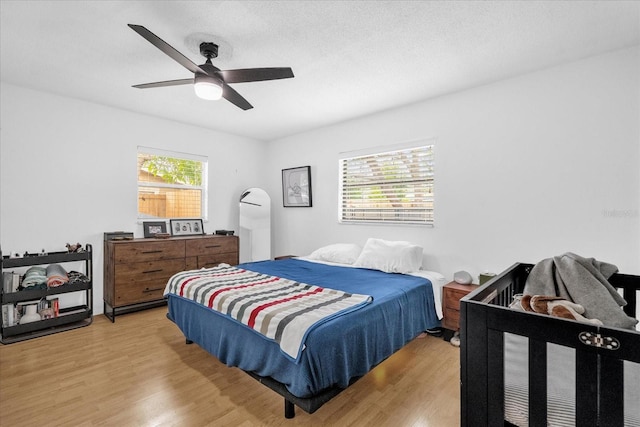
pixel 389 187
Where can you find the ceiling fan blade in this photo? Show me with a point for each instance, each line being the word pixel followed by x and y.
pixel 167 48
pixel 165 83
pixel 234 97
pixel 256 74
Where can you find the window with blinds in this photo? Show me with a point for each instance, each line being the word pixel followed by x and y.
pixel 389 187
pixel 171 185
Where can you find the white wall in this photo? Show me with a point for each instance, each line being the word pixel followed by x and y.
pixel 68 171
pixel 526 168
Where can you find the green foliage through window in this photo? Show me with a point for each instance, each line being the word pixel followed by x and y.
pixel 171 185
pixel 173 170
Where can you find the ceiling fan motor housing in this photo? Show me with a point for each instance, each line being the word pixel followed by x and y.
pixel 209 50
pixel 207 78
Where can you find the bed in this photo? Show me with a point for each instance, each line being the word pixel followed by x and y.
pixel 336 352
pixel 522 368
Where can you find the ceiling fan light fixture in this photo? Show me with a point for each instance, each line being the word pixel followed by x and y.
pixel 207 87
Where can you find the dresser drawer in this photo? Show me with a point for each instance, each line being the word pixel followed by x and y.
pixel 451 319
pixel 211 245
pixel 452 298
pixel 137 292
pixel 208 261
pixel 147 251
pixel 148 270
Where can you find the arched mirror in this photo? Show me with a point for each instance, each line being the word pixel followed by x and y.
pixel 255 225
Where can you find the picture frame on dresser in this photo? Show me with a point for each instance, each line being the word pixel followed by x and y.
pixel 186 227
pixel 151 228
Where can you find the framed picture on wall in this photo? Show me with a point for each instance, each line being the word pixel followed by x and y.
pixel 151 228
pixel 186 227
pixel 296 187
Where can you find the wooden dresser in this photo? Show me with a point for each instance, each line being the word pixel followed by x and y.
pixel 136 271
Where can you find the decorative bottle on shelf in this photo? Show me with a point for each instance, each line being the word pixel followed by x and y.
pixel 31 314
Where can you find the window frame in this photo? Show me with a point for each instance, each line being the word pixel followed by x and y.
pixel 422 147
pixel 203 188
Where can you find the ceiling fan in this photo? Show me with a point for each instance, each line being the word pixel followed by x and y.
pixel 209 81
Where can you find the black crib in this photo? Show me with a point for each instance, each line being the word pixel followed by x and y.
pixel 484 318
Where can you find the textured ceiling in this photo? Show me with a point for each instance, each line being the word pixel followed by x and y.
pixel 350 58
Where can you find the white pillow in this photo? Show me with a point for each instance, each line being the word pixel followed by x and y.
pixel 342 253
pixel 390 257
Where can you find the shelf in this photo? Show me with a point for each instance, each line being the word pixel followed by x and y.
pixel 69 317
pixel 48 323
pixel 34 294
pixel 51 258
pixel 67 326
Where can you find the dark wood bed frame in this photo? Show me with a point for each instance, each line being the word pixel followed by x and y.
pixel 484 318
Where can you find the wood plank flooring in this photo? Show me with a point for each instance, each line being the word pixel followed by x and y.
pixel 140 372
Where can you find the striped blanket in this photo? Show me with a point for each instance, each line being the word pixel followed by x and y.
pixel 280 309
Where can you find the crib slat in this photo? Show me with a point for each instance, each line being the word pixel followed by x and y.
pixel 586 388
pixel 495 383
pixel 537 383
pixel 611 391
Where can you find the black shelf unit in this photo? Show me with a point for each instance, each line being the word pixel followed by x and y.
pixel 69 317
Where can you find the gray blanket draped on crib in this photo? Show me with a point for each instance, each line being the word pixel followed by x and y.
pixel 583 281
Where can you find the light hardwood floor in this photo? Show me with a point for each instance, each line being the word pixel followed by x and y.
pixel 140 372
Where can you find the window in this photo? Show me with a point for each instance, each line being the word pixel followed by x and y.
pixel 171 185
pixel 389 187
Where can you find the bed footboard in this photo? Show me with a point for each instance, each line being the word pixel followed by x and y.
pixel 600 355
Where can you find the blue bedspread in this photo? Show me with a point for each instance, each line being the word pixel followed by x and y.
pixel 336 351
